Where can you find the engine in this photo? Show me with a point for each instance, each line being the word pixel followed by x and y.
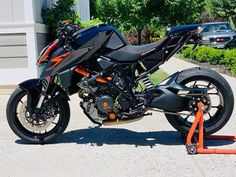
pixel 98 101
pixel 101 102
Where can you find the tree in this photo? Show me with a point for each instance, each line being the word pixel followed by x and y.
pixel 62 10
pixel 137 14
pixel 223 8
pixel 176 12
pixel 105 10
pixel 125 13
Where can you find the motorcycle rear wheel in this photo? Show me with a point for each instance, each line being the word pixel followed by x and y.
pixel 219 114
pixel 33 131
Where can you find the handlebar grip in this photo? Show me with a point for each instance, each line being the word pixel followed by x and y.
pixel 69 29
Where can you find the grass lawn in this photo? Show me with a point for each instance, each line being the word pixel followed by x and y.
pixel 156 78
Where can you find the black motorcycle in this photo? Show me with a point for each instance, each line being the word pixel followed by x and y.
pixel 99 65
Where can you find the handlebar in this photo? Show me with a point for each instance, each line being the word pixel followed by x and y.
pixel 65 30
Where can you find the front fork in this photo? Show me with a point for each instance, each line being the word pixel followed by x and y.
pixel 45 85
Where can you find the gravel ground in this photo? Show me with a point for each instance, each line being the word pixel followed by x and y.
pixel 150 147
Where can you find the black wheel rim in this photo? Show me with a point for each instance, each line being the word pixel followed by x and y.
pixel 23 125
pixel 217 104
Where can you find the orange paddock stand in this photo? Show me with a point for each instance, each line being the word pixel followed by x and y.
pixel 198 146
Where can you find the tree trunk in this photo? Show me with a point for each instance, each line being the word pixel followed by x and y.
pixel 234 21
pixel 139 36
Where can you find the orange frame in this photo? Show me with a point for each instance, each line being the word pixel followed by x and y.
pixel 198 147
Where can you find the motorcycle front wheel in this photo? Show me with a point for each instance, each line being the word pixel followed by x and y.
pixel 46 127
pixel 220 95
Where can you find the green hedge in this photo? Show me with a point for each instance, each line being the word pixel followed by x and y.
pixel 212 56
pixel 91 22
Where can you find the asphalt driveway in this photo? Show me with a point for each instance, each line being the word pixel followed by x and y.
pixel 150 147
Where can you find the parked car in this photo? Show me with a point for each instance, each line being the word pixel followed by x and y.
pixel 217 34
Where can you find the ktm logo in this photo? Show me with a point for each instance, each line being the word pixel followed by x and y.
pixel 58 60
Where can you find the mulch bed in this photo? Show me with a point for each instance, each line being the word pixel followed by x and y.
pixel 218 68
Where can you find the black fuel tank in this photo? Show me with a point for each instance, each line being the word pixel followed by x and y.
pixel 84 35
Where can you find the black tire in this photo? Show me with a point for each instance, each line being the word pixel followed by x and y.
pixel 31 137
pixel 224 114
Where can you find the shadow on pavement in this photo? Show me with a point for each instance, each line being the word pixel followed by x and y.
pixel 117 136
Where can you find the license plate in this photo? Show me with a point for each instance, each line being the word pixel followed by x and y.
pixel 221 46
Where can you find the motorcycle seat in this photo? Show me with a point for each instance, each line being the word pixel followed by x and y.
pixel 132 53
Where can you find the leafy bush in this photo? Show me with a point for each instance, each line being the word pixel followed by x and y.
pixel 230 60
pixel 187 52
pixel 216 57
pixel 62 10
pixel 229 57
pixel 132 37
pixel 232 68
pixel 91 23
pixel 212 56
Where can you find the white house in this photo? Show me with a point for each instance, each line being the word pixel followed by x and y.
pixel 23 35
